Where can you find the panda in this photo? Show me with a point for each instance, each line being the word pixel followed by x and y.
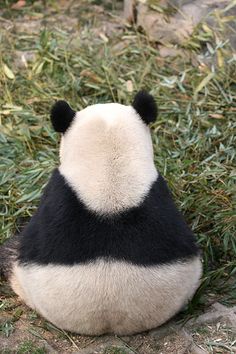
pixel 107 251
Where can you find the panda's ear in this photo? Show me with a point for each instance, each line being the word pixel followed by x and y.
pixel 145 105
pixel 61 116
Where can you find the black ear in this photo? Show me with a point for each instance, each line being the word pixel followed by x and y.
pixel 61 116
pixel 145 106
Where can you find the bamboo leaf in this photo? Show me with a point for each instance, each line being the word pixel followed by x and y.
pixel 203 83
pixel 8 72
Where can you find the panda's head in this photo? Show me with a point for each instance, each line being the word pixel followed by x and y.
pixel 106 152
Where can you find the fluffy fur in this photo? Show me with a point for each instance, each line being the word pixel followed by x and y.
pixel 107 250
pixel 145 105
pixel 107 297
pixel 65 231
pixel 8 255
pixel 107 158
pixel 61 116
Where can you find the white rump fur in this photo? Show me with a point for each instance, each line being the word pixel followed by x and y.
pixel 107 157
pixel 128 298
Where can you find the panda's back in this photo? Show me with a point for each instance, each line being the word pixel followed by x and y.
pixel 96 274
pixel 63 231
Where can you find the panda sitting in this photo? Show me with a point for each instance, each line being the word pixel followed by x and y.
pixel 107 251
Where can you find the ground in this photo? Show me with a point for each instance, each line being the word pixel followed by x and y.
pixel 85 53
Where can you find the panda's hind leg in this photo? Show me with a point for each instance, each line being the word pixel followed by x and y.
pixel 9 266
pixel 8 256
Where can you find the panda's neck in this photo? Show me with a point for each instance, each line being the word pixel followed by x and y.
pixel 111 185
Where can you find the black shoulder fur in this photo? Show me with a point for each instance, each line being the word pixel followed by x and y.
pixel 64 231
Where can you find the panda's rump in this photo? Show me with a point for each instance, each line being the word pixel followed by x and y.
pixel 107 296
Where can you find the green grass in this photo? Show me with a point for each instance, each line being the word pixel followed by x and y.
pixel 114 350
pixel 27 347
pixel 194 136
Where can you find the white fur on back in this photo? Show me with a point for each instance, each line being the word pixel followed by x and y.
pixel 107 157
pixel 101 297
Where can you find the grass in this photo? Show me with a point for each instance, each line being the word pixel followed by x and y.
pixel 194 136
pixel 30 347
pixel 216 338
pixel 27 347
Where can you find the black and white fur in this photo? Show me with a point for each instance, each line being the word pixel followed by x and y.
pixel 107 250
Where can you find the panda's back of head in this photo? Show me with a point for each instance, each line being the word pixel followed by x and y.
pixel 106 153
